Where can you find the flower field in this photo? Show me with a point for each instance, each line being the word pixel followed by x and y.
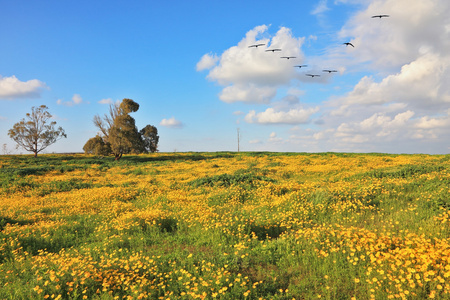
pixel 225 226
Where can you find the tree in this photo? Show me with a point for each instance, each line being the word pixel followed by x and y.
pixel 36 133
pixel 150 138
pixel 119 132
pixel 97 146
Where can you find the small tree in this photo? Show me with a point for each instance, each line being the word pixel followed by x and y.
pixel 150 138
pixel 36 133
pixel 119 132
pixel 97 146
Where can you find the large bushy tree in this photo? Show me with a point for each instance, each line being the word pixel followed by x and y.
pixel 119 134
pixel 35 132
pixel 97 146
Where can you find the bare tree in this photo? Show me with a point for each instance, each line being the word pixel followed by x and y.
pixel 35 133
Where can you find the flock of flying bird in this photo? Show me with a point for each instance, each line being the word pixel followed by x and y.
pixel 302 66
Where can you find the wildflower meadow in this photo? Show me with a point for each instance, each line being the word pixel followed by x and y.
pixel 225 225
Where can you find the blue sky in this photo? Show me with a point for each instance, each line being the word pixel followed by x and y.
pixel 189 66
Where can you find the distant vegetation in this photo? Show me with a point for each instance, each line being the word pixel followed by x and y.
pixel 119 134
pixel 225 226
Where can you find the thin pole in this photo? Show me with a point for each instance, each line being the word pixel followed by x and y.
pixel 238 138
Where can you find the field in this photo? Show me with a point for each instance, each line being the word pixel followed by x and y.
pixel 225 226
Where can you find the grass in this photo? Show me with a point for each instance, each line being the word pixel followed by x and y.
pixel 226 226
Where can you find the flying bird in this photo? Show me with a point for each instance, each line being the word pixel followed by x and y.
pixel 256 45
pixel 313 75
pixel 348 44
pixel 273 50
pixel 380 16
pixel 329 71
pixel 287 57
pixel 300 66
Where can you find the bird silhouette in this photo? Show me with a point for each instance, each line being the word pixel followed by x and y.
pixel 273 50
pixel 256 45
pixel 287 57
pixel 300 66
pixel 348 44
pixel 380 16
pixel 313 75
pixel 329 71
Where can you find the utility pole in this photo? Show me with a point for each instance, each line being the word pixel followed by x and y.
pixel 238 136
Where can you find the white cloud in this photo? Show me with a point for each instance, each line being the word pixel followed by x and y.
pixel 320 8
pixel 399 105
pixel 272 116
pixel 11 88
pixel 171 123
pixel 250 93
pixel 76 100
pixel 410 31
pixel 419 83
pixel 273 138
pixel 253 75
pixel 106 101
pixel 427 122
pixel 207 62
pixel 396 78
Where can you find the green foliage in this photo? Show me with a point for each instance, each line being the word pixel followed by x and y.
pixel 120 134
pixel 97 146
pixel 227 180
pixel 405 171
pixel 150 138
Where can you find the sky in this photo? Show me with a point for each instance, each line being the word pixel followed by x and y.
pixel 191 68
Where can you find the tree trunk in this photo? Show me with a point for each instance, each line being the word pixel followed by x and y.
pixel 35 154
pixel 117 156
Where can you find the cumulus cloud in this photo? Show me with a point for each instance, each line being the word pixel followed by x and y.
pixel 207 62
pixel 253 75
pixel 273 116
pixel 402 101
pixel 171 123
pixel 76 100
pixel 411 31
pixel 251 93
pixel 11 88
